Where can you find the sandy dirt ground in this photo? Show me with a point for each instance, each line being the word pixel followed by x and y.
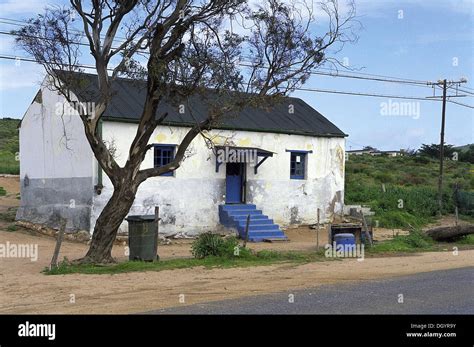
pixel 12 185
pixel 24 289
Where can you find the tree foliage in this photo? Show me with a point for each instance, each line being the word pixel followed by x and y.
pixel 467 155
pixel 433 150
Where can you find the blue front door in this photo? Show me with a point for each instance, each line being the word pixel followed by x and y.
pixel 233 183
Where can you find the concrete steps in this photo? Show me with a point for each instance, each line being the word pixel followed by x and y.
pixel 260 227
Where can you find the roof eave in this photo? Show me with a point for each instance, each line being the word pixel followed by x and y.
pixel 260 130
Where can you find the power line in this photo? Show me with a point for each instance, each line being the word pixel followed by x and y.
pixel 329 74
pixel 364 94
pixel 31 60
pixel 460 104
pixel 462 90
pixel 377 75
pixel 378 78
pixel 42 38
pixel 299 89
pixel 22 23
pixel 353 75
pixel 468 88
pixel 416 83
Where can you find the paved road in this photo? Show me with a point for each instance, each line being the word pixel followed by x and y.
pixel 437 292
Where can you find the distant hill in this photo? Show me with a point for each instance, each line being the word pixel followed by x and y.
pixel 9 146
pixel 402 191
pixel 463 148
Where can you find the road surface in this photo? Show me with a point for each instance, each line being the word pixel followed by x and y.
pixel 437 292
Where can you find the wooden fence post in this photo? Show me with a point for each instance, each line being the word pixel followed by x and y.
pixel 317 233
pixel 367 232
pixel 59 240
pixel 246 231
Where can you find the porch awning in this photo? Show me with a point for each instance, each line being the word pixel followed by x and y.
pixel 241 155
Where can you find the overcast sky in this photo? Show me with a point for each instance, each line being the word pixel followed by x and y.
pixel 412 39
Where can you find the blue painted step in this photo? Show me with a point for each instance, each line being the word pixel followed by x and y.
pixel 260 227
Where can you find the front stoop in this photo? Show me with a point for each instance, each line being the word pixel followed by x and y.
pixel 261 228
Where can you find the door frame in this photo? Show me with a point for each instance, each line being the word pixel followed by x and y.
pixel 243 183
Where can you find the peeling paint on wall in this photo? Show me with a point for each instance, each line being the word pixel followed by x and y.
pixel 294 218
pixel 160 138
pixel 189 200
pixel 245 142
pixel 335 205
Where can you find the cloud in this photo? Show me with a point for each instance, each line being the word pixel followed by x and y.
pixel 416 133
pixel 26 75
pixel 386 8
pixel 426 39
pixel 11 8
pixel 400 51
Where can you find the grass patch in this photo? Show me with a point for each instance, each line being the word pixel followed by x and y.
pixel 250 259
pixel 9 164
pixel 3 192
pixel 12 227
pixel 416 241
pixel 9 215
pixel 466 240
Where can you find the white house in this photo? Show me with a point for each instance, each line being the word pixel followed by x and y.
pixel 375 152
pixel 296 168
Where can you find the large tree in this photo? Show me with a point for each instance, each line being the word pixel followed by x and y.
pixel 246 53
pixel 433 150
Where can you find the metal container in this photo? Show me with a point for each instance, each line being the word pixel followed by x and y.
pixel 142 237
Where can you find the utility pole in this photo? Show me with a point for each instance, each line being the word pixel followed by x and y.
pixel 441 151
pixel 444 83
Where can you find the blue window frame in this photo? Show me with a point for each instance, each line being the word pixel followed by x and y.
pixel 297 165
pixel 164 154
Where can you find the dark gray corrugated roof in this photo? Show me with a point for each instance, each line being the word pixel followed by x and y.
pixel 129 96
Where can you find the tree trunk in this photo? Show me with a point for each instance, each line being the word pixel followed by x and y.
pixel 451 233
pixel 106 226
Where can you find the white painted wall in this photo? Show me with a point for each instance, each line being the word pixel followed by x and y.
pixel 189 200
pixel 53 145
pixel 58 161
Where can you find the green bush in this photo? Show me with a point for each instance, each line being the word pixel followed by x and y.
pixel 398 219
pixel 213 245
pixel 467 240
pixel 417 239
pixel 422 159
pixel 383 177
pixel 12 227
pixel 2 191
pixel 206 245
pixel 399 206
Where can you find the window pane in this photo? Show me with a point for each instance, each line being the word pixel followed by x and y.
pixel 163 155
pixel 297 165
